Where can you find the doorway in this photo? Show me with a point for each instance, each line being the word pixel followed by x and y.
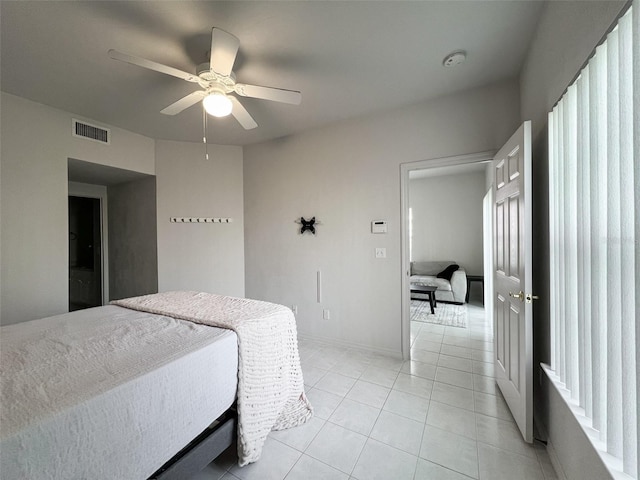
pixel 85 253
pixel 453 163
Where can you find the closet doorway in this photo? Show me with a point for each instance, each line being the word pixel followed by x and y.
pixel 85 252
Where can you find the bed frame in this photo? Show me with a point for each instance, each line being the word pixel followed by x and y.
pixel 202 450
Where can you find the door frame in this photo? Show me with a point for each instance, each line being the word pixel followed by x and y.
pixel 488 253
pixel 77 189
pixel 405 168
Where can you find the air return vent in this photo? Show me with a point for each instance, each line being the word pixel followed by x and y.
pixel 91 132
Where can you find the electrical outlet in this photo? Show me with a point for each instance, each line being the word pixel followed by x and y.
pixel 326 314
pixel 294 309
pixel 381 253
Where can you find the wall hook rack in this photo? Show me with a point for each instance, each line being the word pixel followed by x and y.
pixel 200 220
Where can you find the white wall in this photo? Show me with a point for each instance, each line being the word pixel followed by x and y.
pixel 205 257
pixel 36 143
pixel 566 36
pixel 133 238
pixel 447 219
pixel 347 175
pixel 578 460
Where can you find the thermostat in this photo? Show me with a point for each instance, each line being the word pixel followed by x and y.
pixel 378 226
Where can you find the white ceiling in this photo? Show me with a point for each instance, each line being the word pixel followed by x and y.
pixel 348 58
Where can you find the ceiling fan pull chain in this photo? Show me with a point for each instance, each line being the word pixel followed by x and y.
pixel 204 133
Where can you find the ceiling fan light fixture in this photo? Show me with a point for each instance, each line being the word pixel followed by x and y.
pixel 217 104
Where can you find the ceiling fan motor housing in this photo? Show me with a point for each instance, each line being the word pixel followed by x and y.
pixel 209 78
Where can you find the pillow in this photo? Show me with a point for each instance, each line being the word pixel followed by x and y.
pixel 447 273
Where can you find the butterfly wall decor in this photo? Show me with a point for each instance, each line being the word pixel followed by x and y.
pixel 308 225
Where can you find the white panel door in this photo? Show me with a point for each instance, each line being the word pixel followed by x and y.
pixel 512 309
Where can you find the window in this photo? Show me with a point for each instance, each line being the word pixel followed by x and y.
pixel 594 207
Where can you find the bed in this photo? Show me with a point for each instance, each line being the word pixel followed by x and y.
pixel 115 392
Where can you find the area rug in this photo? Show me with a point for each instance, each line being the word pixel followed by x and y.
pixel 446 314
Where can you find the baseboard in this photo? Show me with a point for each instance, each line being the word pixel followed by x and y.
pixel 555 461
pixel 541 434
pixel 357 346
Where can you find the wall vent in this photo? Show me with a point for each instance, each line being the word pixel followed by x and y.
pixel 91 132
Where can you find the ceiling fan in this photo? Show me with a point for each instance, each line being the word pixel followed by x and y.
pixel 217 81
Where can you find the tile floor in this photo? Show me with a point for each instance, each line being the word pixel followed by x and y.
pixel 437 416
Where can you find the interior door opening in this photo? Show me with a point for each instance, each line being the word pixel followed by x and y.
pixel 465 165
pixel 510 283
pixel 85 253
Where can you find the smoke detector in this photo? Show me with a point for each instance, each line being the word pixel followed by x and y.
pixel 454 58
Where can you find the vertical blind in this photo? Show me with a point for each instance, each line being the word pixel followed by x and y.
pixel 594 215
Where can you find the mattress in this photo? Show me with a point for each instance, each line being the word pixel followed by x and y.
pixel 108 392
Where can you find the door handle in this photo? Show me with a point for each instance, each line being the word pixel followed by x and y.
pixel 519 295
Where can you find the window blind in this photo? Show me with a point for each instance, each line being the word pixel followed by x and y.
pixel 594 225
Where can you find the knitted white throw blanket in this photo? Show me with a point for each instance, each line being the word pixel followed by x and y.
pixel 270 385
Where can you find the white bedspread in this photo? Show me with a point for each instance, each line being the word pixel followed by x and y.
pixel 108 393
pixel 270 385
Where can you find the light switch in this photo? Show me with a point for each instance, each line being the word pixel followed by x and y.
pixel 381 253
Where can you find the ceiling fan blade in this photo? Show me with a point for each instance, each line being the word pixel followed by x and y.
pixel 268 93
pixel 224 48
pixel 158 67
pixel 184 103
pixel 242 115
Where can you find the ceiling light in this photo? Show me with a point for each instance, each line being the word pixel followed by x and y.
pixel 217 104
pixel 454 58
